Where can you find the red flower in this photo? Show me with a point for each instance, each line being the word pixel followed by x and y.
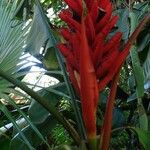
pixel 88 85
pixel 92 57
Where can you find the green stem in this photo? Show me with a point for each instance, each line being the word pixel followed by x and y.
pixel 72 95
pixel 92 144
pixel 78 115
pixel 50 108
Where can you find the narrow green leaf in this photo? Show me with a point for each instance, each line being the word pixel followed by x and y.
pixel 143 119
pixel 137 69
pixel 28 120
pixel 139 77
pixel 7 113
pixel 45 128
pixel 144 137
pixel 39 35
pixel 138 72
pixel 123 23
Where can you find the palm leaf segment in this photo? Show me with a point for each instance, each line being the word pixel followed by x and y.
pixel 12 40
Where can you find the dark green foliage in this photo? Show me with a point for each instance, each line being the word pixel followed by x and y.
pixel 40 128
pixel 60 136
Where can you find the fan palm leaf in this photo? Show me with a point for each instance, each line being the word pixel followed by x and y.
pixel 12 39
pixel 12 46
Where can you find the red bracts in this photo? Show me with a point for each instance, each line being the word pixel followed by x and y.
pixel 92 57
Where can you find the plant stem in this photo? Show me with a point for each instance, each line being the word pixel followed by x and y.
pixel 50 108
pixel 106 129
pixel 92 144
pixel 75 106
pixel 73 99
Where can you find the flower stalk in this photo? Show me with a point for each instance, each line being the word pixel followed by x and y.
pixel 106 129
pixel 94 59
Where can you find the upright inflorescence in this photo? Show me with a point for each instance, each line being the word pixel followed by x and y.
pixel 92 57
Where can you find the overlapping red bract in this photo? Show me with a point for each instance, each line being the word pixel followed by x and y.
pixel 92 57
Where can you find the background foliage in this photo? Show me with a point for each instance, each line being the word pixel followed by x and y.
pixel 26 28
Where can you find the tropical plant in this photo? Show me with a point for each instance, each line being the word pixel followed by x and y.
pixel 101 41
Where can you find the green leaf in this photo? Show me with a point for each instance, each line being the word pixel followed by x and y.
pixel 27 119
pixel 118 118
pixel 4 143
pixel 52 109
pixel 23 9
pixel 131 83
pixel 20 145
pixel 38 113
pixel 40 37
pixel 45 128
pixel 50 59
pixel 9 116
pixel 39 33
pixel 139 77
pixel 141 9
pixel 132 97
pixel 12 39
pixel 123 23
pixel 143 119
pixel 138 72
pixel 20 9
pixel 144 137
pixel 144 40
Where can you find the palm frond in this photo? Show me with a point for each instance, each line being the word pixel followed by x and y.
pixel 9 116
pixel 12 39
pixel 12 42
